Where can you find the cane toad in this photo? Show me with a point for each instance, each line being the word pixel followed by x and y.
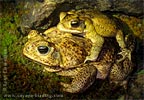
pixel 95 26
pixel 45 50
pixel 56 49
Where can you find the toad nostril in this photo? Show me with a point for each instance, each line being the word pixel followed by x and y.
pixel 43 49
pixel 29 47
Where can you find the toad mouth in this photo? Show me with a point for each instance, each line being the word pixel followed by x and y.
pixel 78 35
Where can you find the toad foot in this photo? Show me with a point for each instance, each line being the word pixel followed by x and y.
pixel 90 58
pixel 125 53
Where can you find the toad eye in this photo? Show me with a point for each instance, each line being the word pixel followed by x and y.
pixel 43 49
pixel 75 23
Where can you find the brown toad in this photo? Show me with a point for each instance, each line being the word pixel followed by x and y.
pixel 48 50
pixel 56 49
pixel 95 26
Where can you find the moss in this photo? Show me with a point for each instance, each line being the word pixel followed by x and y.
pixel 141 72
pixel 8 34
pixel 12 40
pixel 26 81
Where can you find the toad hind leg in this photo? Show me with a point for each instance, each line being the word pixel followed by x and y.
pixel 84 77
pixel 121 41
pixel 97 43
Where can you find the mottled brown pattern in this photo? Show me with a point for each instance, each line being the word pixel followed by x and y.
pixel 71 52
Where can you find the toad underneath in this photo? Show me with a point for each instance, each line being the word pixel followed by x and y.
pixel 64 55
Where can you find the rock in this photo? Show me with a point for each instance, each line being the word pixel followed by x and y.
pixel 131 7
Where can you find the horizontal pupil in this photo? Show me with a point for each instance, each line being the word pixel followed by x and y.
pixel 43 49
pixel 74 24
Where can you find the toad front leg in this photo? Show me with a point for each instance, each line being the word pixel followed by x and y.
pixel 97 43
pixel 124 51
